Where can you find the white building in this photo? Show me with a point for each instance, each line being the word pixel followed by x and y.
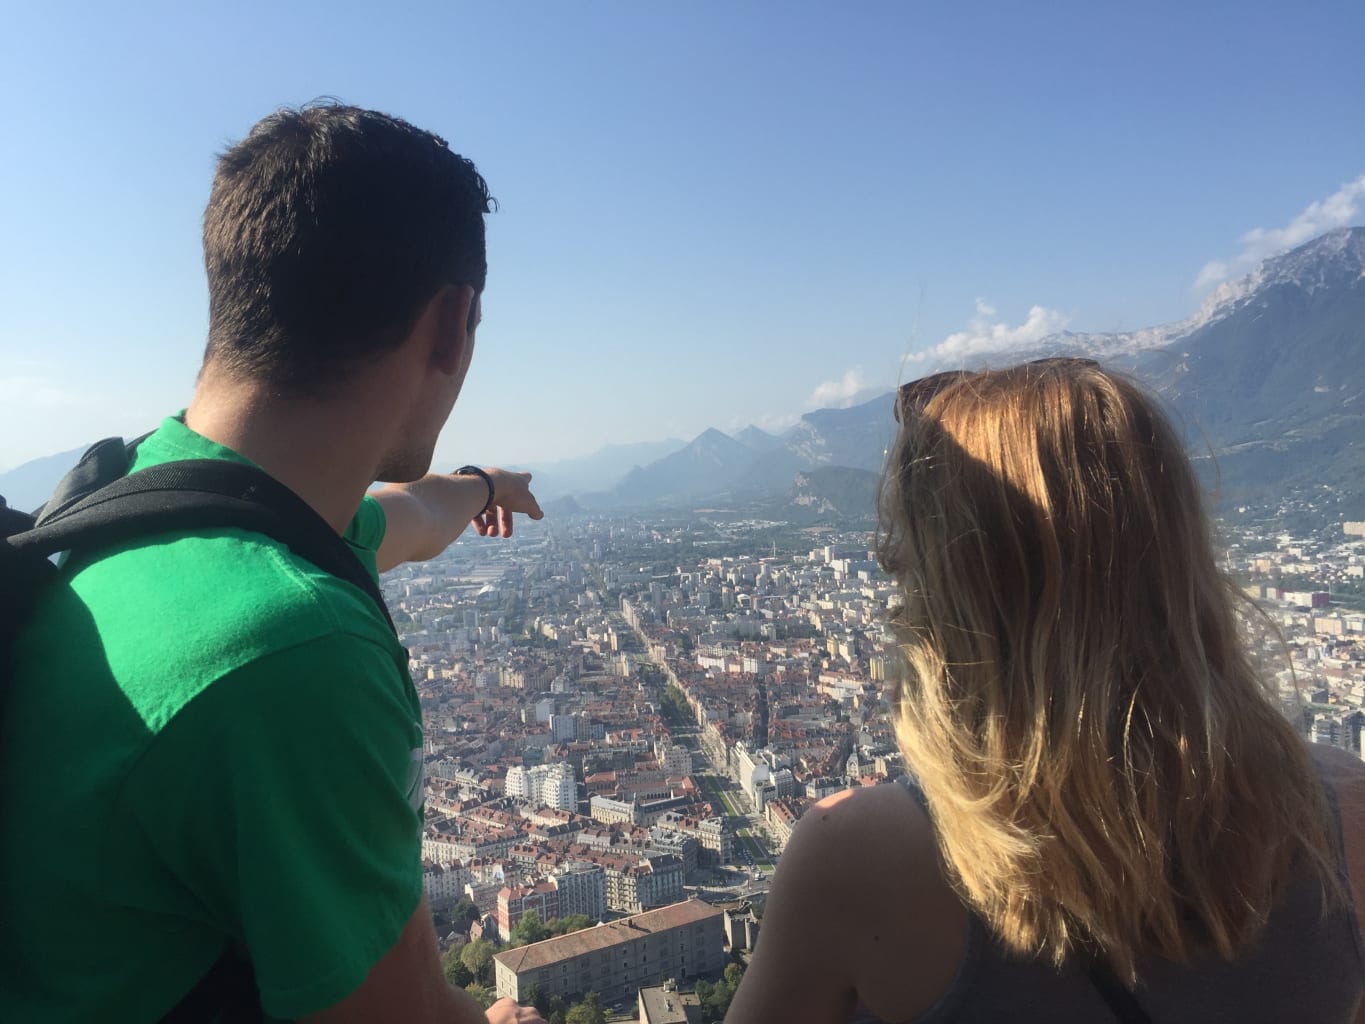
pixel 518 782
pixel 545 785
pixel 751 772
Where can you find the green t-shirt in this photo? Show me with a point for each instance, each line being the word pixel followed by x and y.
pixel 207 741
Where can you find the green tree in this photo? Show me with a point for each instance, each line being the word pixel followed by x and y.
pixel 528 930
pixel 734 974
pixel 455 970
pixel 558 1011
pixel 713 1010
pixel 537 997
pixel 464 912
pixel 483 995
pixel 572 923
pixel 673 704
pixel 589 1011
pixel 715 999
pixel 478 957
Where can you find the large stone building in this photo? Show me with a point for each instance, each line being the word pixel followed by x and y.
pixel 616 960
pixel 614 812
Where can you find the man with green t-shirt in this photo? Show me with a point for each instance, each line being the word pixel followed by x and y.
pixel 209 743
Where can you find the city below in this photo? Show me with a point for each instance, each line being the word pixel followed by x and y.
pixel 626 717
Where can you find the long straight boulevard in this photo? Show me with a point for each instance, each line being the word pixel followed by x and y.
pixel 756 863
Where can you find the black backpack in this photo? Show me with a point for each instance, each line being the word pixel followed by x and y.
pixel 98 504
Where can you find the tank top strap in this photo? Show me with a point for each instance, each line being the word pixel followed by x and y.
pixel 912 786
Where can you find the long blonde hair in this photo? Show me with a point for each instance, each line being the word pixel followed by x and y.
pixel 1106 771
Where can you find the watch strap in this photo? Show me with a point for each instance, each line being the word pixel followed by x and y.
pixel 476 471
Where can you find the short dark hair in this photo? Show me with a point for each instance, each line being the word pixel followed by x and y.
pixel 328 230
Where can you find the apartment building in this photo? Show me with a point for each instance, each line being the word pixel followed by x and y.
pixel 443 883
pixel 515 900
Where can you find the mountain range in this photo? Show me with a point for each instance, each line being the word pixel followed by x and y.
pixel 755 463
pixel 1267 379
pixel 1272 390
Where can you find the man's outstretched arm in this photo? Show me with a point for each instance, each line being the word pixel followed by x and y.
pixel 423 518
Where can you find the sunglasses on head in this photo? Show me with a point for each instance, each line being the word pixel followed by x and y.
pixel 913 397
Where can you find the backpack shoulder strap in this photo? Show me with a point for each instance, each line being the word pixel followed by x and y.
pixel 199 494
pixel 103 462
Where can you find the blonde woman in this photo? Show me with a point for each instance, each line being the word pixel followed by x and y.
pixel 1113 819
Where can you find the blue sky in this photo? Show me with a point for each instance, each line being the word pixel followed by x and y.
pixel 711 213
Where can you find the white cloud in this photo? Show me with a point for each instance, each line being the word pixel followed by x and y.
pixel 776 423
pixel 987 334
pixel 839 393
pixel 1340 209
pixel 1214 272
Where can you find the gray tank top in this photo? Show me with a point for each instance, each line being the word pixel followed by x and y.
pixel 1304 969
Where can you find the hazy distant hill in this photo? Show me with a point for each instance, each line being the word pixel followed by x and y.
pixel 561 508
pixel 716 464
pixel 758 439
pixel 27 486
pixel 705 466
pixel 599 471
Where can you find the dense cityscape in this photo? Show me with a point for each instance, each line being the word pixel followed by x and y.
pixel 627 716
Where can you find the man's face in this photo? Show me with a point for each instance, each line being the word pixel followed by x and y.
pixel 412 460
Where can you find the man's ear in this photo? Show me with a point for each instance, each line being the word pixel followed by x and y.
pixel 456 316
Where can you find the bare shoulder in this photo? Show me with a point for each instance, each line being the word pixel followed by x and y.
pixel 879 819
pixel 851 841
pixel 882 883
pixel 870 828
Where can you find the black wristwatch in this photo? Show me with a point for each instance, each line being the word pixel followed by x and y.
pixel 476 471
